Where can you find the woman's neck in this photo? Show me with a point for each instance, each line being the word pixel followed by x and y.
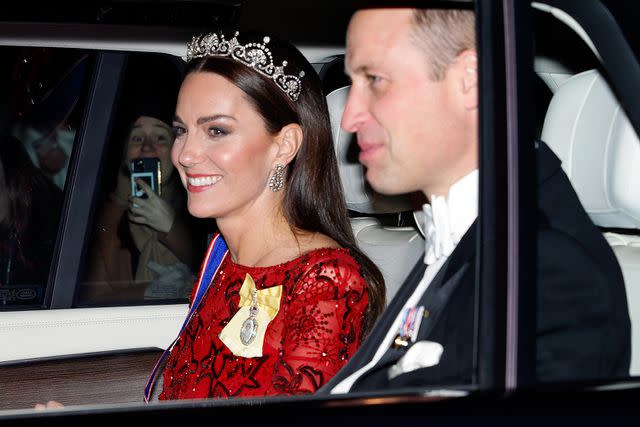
pixel 259 240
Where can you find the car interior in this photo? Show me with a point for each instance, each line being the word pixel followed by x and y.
pixel 588 130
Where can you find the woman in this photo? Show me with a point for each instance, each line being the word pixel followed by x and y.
pixel 29 214
pixel 142 247
pixel 292 297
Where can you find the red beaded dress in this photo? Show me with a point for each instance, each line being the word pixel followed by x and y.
pixel 317 328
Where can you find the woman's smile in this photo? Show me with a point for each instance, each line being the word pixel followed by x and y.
pixel 200 182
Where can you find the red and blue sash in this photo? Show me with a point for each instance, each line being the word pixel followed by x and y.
pixel 215 255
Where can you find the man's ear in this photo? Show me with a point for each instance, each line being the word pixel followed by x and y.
pixel 467 67
pixel 288 142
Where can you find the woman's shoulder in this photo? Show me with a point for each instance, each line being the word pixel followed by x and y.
pixel 332 256
pixel 334 267
pixel 320 249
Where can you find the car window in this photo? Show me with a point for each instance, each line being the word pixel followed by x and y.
pixel 585 150
pixel 624 239
pixel 151 254
pixel 43 99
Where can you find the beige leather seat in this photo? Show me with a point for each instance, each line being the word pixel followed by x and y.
pixel 600 154
pixel 394 249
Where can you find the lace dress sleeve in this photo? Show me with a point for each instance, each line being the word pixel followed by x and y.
pixel 323 326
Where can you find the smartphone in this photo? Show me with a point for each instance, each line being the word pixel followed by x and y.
pixel 147 169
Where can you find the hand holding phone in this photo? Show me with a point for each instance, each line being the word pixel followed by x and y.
pixel 152 210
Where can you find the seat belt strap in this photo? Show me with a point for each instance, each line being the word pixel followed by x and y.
pixel 216 253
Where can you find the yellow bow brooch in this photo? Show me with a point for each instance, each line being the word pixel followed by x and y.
pixel 244 334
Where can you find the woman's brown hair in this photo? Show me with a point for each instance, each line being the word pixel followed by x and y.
pixel 313 199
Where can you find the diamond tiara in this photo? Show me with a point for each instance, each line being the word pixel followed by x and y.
pixel 255 55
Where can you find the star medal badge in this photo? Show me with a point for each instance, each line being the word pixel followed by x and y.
pixel 249 328
pixel 244 334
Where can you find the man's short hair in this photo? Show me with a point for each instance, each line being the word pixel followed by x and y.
pixel 443 34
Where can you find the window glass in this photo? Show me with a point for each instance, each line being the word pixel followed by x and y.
pixel 43 96
pixel 151 254
pixel 587 233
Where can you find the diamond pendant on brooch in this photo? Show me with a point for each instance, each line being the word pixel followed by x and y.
pixel 249 328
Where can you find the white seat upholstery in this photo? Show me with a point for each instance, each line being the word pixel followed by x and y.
pixel 600 154
pixel 395 250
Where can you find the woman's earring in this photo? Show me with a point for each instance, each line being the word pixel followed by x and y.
pixel 276 182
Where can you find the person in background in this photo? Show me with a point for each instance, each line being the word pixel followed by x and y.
pixel 29 214
pixel 143 247
pixel 48 131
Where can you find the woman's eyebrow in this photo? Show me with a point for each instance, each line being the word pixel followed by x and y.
pixel 207 119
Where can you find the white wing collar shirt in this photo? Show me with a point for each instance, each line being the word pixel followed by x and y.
pixel 445 221
pixel 449 217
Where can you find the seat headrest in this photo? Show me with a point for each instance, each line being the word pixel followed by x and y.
pixel 359 195
pixel 590 133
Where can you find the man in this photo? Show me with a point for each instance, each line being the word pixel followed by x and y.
pixel 413 105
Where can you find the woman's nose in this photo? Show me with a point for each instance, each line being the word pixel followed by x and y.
pixel 187 152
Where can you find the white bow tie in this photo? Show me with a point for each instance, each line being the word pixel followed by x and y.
pixel 439 234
